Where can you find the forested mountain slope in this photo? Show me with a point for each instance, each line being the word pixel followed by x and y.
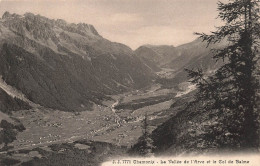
pixel 65 66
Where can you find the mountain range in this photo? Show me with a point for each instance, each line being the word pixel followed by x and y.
pixel 196 54
pixel 65 66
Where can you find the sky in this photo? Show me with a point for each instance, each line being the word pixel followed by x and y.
pixel 131 22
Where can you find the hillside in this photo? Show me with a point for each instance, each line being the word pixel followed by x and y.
pixel 187 132
pixel 65 66
pixel 9 104
pixel 173 60
pixel 156 57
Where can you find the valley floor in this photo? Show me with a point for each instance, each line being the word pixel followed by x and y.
pixel 117 122
pixel 104 123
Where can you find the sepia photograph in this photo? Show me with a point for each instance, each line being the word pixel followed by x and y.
pixel 129 82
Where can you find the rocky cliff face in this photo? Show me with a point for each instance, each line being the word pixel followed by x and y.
pixel 65 66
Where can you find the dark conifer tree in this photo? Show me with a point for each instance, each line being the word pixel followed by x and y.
pixel 145 146
pixel 231 92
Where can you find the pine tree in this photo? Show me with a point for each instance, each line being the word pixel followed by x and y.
pixel 145 146
pixel 231 92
